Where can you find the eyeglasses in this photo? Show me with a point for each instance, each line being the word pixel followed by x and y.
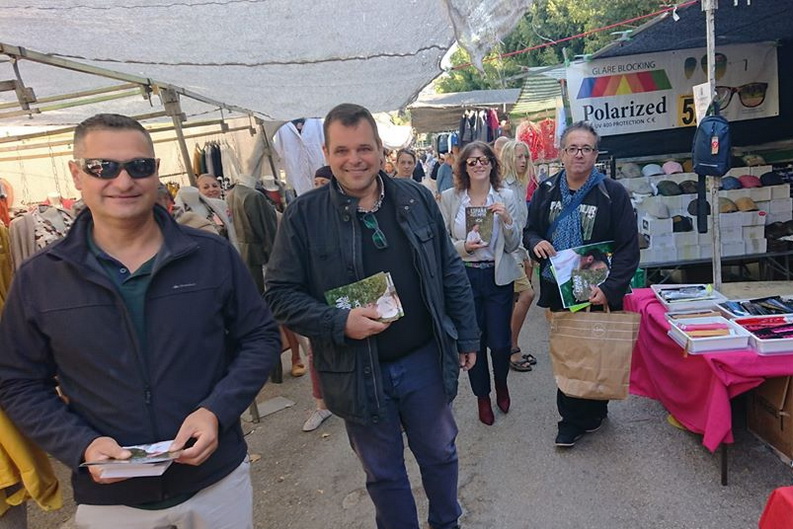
pixel 585 150
pixel 751 94
pixel 378 237
pixel 109 169
pixel 481 160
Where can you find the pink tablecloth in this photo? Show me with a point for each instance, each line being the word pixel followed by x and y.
pixel 695 389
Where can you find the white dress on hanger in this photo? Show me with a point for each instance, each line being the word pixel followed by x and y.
pixel 300 153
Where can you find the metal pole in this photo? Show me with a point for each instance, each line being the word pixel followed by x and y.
pixel 267 148
pixel 170 100
pixel 709 7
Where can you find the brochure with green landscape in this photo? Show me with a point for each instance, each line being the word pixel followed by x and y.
pixel 578 270
pixel 376 291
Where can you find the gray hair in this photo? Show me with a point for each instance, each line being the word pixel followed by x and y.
pixel 583 126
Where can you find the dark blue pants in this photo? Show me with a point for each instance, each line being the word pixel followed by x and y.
pixel 493 313
pixel 415 398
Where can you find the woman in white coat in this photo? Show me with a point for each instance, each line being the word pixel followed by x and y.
pixel 490 266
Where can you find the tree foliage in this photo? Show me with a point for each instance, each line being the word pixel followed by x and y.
pixel 546 21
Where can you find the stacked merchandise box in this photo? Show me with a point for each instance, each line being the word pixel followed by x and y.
pixel 770 415
pixel 742 231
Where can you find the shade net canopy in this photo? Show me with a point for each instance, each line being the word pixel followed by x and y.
pixel 282 59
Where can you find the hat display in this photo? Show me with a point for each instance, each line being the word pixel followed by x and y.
pixel 652 169
pixel 726 205
pixel 771 179
pixel 730 182
pixel 630 170
pixel 681 223
pixel 672 167
pixel 746 204
pixel 692 208
pixel 640 186
pixel 775 230
pixel 748 180
pixel 659 210
pixel 688 187
pixel 668 188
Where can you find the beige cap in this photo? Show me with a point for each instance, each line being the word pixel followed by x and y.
pixel 746 204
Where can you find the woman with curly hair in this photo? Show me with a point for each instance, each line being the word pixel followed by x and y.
pixel 488 261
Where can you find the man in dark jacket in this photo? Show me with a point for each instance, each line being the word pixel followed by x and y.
pixel 581 206
pixel 155 332
pixel 380 376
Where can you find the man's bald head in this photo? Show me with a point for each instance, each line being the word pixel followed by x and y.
pixel 499 144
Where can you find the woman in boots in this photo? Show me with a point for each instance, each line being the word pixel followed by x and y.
pixel 490 267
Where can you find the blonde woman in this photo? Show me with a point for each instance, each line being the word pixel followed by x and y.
pixel 518 174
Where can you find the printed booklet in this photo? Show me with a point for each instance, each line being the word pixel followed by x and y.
pixel 478 224
pixel 147 460
pixel 377 290
pixel 578 270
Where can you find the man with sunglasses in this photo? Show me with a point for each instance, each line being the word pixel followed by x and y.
pixel 380 377
pixel 155 332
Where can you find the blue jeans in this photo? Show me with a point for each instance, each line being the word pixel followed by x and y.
pixel 416 400
pixel 493 305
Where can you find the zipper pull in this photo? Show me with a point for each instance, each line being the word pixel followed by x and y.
pixel 147 396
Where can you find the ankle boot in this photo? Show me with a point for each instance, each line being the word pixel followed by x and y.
pixel 502 398
pixel 485 410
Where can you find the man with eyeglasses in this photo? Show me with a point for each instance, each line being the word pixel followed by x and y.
pixel 380 377
pixel 581 206
pixel 155 332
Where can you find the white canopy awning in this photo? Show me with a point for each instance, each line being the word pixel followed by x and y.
pixel 282 59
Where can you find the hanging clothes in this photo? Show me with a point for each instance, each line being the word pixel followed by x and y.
pixel 208 159
pixel 37 229
pixel 230 162
pixel 5 217
pixel 25 464
pixel 547 138
pixel 6 265
pixel 300 153
pixel 530 134
pixel 198 154
pixel 217 161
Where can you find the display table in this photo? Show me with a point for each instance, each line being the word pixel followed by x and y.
pixel 695 389
pixel 778 513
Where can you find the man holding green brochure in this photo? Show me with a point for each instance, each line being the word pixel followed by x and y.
pixel 576 207
pixel 380 376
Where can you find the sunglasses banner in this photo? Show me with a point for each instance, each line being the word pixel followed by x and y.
pixel 655 91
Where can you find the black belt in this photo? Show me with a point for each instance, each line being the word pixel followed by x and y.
pixel 479 264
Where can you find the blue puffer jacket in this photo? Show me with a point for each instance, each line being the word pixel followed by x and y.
pixel 318 247
pixel 211 343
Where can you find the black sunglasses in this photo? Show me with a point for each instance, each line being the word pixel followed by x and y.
pixel 109 169
pixel 378 237
pixel 481 160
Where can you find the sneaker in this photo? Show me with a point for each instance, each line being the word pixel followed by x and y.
pixel 597 426
pixel 567 436
pixel 316 418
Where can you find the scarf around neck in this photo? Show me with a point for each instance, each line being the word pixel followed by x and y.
pixel 568 231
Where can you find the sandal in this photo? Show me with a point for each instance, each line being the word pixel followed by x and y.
pixel 522 365
pixel 298 370
pixel 528 356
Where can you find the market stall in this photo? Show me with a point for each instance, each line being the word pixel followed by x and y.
pixel 696 388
